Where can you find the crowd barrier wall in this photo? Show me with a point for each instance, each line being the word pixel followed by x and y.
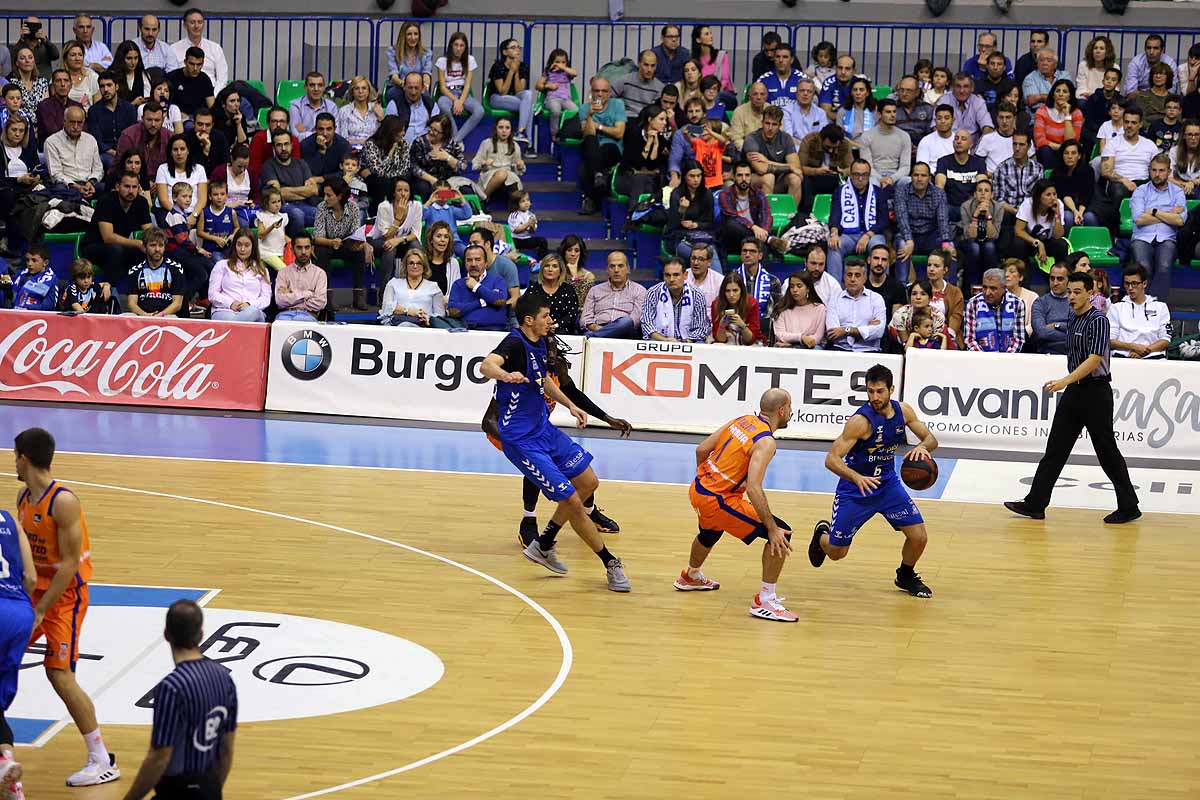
pixel 275 48
pixel 973 401
pixel 135 360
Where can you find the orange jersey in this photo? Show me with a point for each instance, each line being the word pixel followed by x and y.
pixel 37 520
pixel 724 471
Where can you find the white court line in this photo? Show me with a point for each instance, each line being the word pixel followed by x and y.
pixel 568 653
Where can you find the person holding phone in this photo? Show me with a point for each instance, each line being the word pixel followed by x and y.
pixel 45 52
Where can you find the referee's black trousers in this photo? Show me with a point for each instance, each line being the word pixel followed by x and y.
pixel 189 787
pixel 1086 404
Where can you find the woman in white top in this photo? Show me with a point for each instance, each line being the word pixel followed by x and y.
pixel 455 74
pixel 499 160
pixel 412 300
pixel 180 166
pixel 1185 161
pixel 172 116
pixel 85 86
pixel 240 185
pixel 1040 225
pixel 358 120
pixel 1014 275
pixel 239 287
pixel 1098 56
pixel 398 225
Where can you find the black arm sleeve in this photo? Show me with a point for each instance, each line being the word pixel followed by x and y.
pixel 582 400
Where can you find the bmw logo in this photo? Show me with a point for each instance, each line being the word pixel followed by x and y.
pixel 306 355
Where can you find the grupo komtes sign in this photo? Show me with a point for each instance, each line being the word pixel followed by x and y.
pixel 986 401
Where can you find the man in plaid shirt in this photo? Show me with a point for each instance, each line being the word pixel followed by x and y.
pixel 1013 182
pixel 922 221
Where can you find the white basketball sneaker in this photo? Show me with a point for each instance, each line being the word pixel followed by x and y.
pixel 10 780
pixel 95 773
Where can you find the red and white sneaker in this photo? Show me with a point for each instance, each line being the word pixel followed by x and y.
pixel 698 584
pixel 772 610
pixel 10 780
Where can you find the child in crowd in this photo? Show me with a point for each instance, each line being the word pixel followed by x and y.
pixel 449 206
pixel 923 337
pixel 217 222
pixel 713 152
pixel 36 287
pixel 824 56
pixel 1166 132
pixel 523 224
pixel 710 90
pixel 351 166
pixel 85 296
pixel 1112 128
pixel 197 262
pixel 556 83
pixel 271 222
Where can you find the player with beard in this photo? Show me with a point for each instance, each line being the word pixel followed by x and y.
pixel 729 498
pixel 864 457
pixel 558 369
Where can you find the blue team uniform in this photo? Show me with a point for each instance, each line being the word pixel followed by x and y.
pixel 218 224
pixel 16 609
pixel 874 457
pixel 542 452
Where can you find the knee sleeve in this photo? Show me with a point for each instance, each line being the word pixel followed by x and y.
pixel 529 494
pixel 708 538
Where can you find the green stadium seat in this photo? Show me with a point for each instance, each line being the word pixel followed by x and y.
pixel 782 208
pixel 882 91
pixel 1096 242
pixel 822 206
pixel 494 113
pixel 287 91
pixel 539 105
pixel 1126 218
pixel 260 87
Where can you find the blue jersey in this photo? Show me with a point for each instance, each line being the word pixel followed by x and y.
pixel 218 224
pixel 876 456
pixel 522 406
pixel 12 567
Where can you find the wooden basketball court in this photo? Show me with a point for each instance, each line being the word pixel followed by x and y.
pixel 1055 660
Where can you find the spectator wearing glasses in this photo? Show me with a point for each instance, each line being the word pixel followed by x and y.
pixel 671 57
pixel 603 125
pixel 976 65
pixel 858 218
pixel 1185 160
pixel 1137 75
pixel 1141 325
pixel 303 111
pixel 701 273
pixel 509 79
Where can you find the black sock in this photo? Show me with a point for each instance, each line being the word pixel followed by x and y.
pixel 605 556
pixel 905 570
pixel 529 494
pixel 590 503
pixel 546 540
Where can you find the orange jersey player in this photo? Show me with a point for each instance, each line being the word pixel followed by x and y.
pixel 52 519
pixel 729 498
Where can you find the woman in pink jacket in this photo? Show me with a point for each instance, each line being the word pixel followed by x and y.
pixel 239 287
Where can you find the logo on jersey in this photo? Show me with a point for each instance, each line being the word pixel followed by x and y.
pixel 306 355
pixel 210 730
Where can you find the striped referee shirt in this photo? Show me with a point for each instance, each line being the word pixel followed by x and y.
pixel 1088 334
pixel 194 707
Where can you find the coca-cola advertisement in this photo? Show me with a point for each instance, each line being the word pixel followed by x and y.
pixel 159 361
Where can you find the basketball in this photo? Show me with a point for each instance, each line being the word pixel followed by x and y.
pixel 919 475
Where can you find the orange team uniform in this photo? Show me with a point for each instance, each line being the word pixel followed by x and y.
pixel 719 492
pixel 64 621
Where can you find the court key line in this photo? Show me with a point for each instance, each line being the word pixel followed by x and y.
pixel 563 640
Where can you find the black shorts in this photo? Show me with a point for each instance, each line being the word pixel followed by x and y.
pixel 206 786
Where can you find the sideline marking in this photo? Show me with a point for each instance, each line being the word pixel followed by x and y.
pixel 563 640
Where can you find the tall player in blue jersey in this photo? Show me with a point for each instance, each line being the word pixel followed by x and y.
pixel 545 455
pixel 18 577
pixel 864 457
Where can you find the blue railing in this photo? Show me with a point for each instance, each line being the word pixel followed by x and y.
pixel 272 49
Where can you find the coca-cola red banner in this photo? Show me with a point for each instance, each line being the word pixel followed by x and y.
pixel 144 361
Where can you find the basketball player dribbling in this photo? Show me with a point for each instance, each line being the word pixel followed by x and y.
pixel 52 518
pixel 864 457
pixel 730 466
pixel 544 454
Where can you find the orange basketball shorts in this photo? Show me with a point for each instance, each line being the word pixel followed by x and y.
pixel 728 513
pixel 62 626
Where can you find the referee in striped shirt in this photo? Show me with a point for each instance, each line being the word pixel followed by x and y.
pixel 1086 402
pixel 195 716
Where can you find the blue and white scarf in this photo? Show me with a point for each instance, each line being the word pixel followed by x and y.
pixel 664 312
pixel 761 290
pixel 994 329
pixel 848 199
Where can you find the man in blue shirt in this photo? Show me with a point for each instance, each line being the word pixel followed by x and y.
pixel 109 118
pixel 836 87
pixel 781 81
pixel 478 299
pixel 1158 208
pixel 976 65
pixel 671 57
pixel 1036 86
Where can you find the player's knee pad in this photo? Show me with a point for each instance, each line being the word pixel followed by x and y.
pixel 708 538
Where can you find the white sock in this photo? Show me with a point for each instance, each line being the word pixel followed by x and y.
pixel 767 592
pixel 530 515
pixel 694 572
pixel 95 746
pixel 588 509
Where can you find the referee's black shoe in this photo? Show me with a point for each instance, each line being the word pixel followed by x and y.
pixel 816 556
pixel 1118 517
pixel 1024 509
pixel 528 531
pixel 604 523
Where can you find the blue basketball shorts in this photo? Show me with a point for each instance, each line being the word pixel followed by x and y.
pixel 550 459
pixel 16 623
pixel 851 511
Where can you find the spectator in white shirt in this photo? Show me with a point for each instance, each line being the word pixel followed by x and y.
pixel 1126 162
pixel 73 156
pixel 940 141
pixel 412 299
pixel 826 285
pixel 96 53
pixel 215 65
pixel 996 147
pixel 1141 325
pixel 856 317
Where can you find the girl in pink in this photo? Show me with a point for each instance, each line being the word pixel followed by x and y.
pixel 239 287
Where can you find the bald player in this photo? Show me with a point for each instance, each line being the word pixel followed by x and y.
pixel 728 497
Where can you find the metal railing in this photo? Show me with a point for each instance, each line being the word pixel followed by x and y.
pixel 272 49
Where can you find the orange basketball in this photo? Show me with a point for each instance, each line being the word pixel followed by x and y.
pixel 920 474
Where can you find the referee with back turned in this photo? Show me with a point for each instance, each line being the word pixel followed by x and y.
pixel 1086 402
pixel 195 716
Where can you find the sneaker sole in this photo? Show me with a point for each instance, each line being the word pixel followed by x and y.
pixel 543 563
pixel 762 613
pixel 108 776
pixel 622 587
pixel 687 587
pixel 919 596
